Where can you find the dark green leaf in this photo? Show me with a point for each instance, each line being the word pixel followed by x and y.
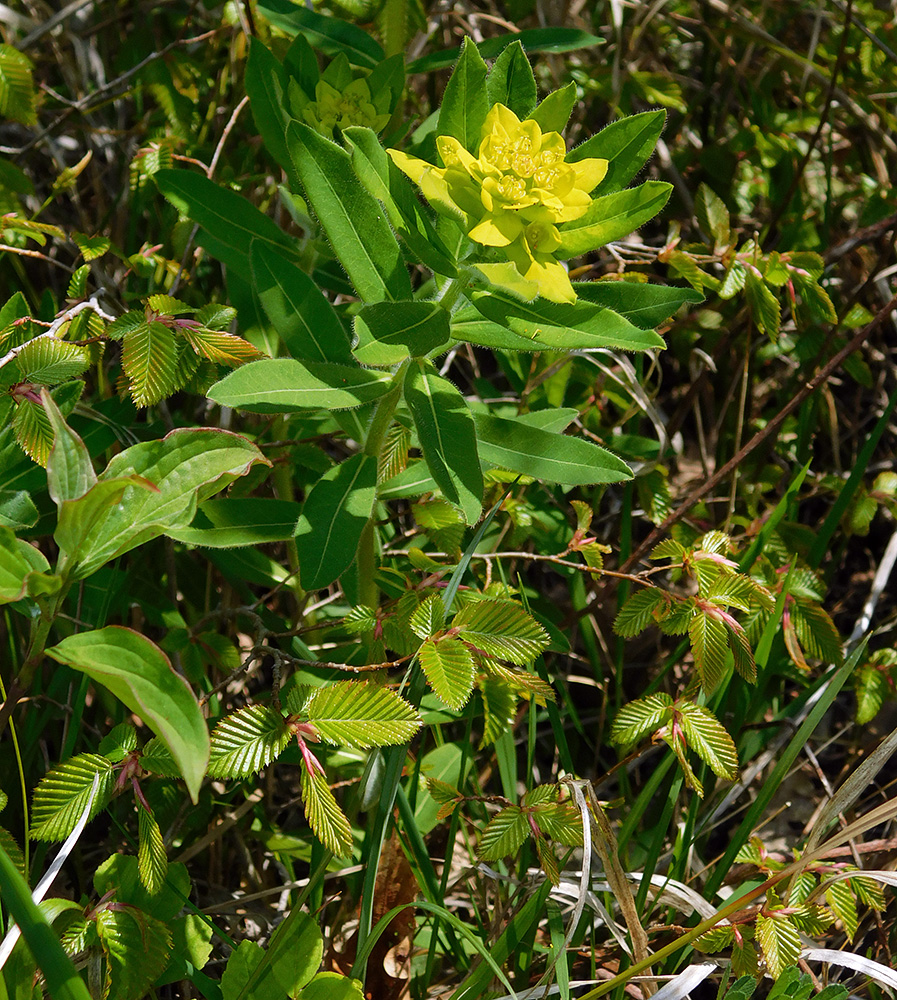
pixel 464 103
pixel 511 81
pixel 626 144
pixel 644 305
pixel 237 521
pixel 532 39
pixel 333 519
pixel 389 332
pixel 613 216
pixel 330 35
pixel 266 85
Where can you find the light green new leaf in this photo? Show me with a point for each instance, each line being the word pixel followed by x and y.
pixel 333 519
pixel 709 646
pixel 70 472
pixel 840 898
pixel 511 82
pixel 284 385
pixel 136 946
pixel 163 482
pixel 613 216
pixel 448 665
pixel 780 941
pixel 14 567
pixel 465 103
pixel 706 736
pixel 448 437
pixel 428 618
pixel 501 629
pixel 152 861
pixel 626 144
pixel 303 318
pixel 234 521
pixel 639 611
pixel 332 986
pixel 33 430
pixel 327 820
pixel 713 217
pixel 500 707
pixel 230 222
pixel 49 361
pixel 554 111
pixel 639 718
pixel 389 332
pixel 554 458
pixel 361 714
pixel 504 835
pixel 149 358
pixel 62 795
pixel 354 222
pixel 139 674
pixel 247 741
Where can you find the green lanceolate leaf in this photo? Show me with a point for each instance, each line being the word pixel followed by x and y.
pixel 554 111
pixel 357 713
pixel 640 718
pixel 284 385
pixel 162 481
pixel 62 795
pixel 448 665
pixel 353 221
pixel 327 820
pixel 511 82
pixel 266 85
pixel 330 35
pixel 709 740
pixel 448 438
pixel 234 521
pixel 151 859
pixel 333 519
pixel 247 741
pixel 465 103
pixel 139 674
pixel 626 144
pixel 501 629
pixel 644 305
pixel 70 472
pixel 504 835
pixel 390 332
pixel 554 458
pixel 613 216
pixel 304 319
pixel 230 222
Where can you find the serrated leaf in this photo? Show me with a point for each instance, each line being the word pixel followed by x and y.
pixel 327 820
pixel 640 611
pixel 17 96
pixel 713 216
pixel 840 898
pixel 716 939
pixel 448 665
pixel 500 706
pixel 639 718
pixel 156 758
pixel 151 858
pixel 223 348
pixel 428 618
pixel 706 736
pixel 742 654
pixel 136 946
pixel 764 305
pixel 780 942
pixel 361 714
pixel 709 645
pixel 118 742
pixel 504 834
pixel 49 361
pixel 501 629
pixel 91 247
pixel 247 741
pixel 150 360
pixel 61 796
pixel 816 631
pixel 561 821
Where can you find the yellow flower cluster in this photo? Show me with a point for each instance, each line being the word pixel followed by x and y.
pixel 512 195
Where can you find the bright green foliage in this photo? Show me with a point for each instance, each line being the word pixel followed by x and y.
pixel 874 681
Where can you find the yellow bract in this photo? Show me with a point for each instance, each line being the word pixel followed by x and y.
pixel 512 195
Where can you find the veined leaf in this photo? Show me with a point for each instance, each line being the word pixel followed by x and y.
pixel 139 674
pixel 61 796
pixel 500 707
pixel 284 385
pixel 357 713
pixel 448 665
pixel 151 859
pixel 640 611
pixel 247 741
pixel 764 305
pixel 780 942
pixel 639 718
pixel 613 216
pixel 504 834
pixel 333 518
pixel 816 631
pixel 840 898
pixel 49 361
pixel 713 217
pixel 447 435
pixel 465 102
pixel 626 144
pixel 709 645
pixel 14 567
pixel 501 629
pixel 429 617
pixel 554 458
pixel 224 348
pixel 17 95
pixel 327 820
pixel 302 316
pixel 353 221
pixel 709 740
pixel 644 305
pixel 136 946
pixel 150 360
